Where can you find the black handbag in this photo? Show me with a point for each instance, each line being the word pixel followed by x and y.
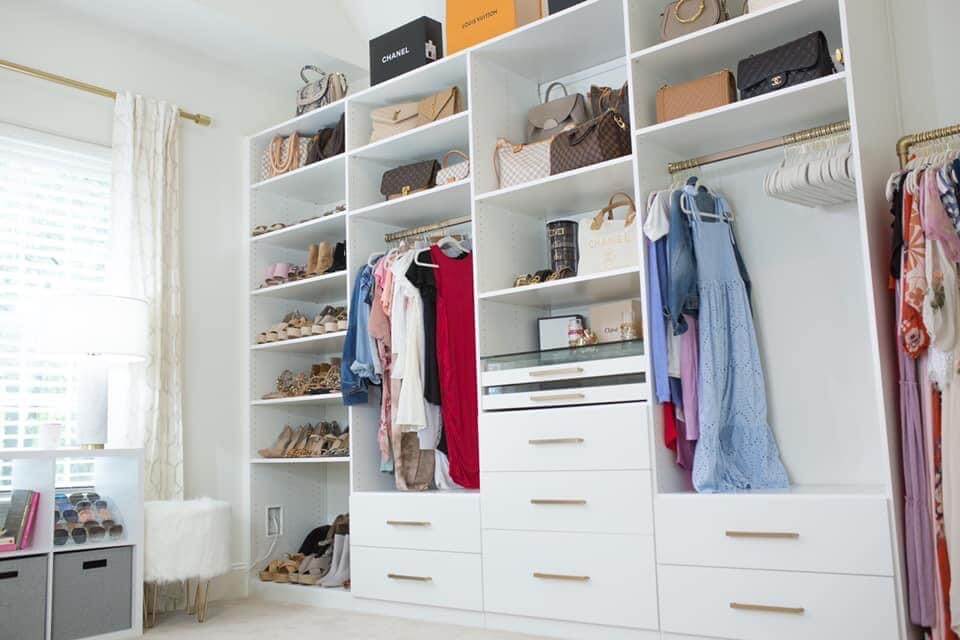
pixel 786 66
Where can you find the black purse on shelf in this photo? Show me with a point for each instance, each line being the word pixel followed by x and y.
pixel 786 66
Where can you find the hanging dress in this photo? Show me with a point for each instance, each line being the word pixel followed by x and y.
pixel 737 450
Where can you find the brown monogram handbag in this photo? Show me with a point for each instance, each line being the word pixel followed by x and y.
pixel 409 179
pixel 604 138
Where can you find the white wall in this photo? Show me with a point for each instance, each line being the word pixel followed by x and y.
pixel 927 62
pixel 213 241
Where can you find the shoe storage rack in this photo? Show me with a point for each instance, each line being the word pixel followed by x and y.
pixel 90 591
pixel 819 290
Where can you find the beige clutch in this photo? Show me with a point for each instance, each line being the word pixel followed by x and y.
pixel 708 92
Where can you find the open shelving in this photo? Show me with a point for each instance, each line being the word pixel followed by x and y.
pixel 803 263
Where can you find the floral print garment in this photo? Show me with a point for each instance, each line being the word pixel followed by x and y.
pixel 912 331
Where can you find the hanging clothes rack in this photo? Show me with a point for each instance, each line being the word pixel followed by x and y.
pixel 792 138
pixel 908 142
pixel 427 228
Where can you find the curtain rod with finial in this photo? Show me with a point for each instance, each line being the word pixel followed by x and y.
pixel 199 118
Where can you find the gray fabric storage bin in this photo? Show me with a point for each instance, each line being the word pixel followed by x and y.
pixel 23 598
pixel 92 592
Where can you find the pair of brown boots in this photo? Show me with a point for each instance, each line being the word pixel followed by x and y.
pixel 319 259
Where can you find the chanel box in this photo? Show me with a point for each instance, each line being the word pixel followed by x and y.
pixel 557 6
pixel 405 48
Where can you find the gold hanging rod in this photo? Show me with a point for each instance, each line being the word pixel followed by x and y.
pixel 907 142
pixel 199 118
pixel 791 138
pixel 417 231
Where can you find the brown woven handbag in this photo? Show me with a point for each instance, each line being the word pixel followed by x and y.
pixel 408 179
pixel 604 138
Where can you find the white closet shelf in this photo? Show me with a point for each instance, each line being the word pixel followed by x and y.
pixel 811 104
pixel 300 236
pixel 323 343
pixel 699 53
pixel 419 83
pixel 433 205
pixel 308 122
pixel 330 286
pixel 553 46
pixel 300 594
pixel 325 398
pixel 799 490
pixel 320 182
pixel 599 287
pixel 327 460
pixel 92 546
pixel 20 553
pixel 429 141
pixel 571 192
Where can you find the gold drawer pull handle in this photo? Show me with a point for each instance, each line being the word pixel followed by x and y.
pixel 400 576
pixel 557 501
pixel 556 441
pixel 764 535
pixel 740 606
pixel 407 523
pixel 556 372
pixel 560 576
pixel 558 397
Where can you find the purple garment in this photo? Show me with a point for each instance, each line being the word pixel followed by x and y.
pixel 658 327
pixel 918 521
pixel 689 370
pixel 686 447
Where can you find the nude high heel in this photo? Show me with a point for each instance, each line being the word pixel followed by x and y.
pixel 280 446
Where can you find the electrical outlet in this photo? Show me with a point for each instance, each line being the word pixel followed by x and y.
pixel 274 521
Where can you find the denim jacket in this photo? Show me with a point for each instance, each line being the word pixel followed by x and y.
pixel 365 359
pixel 682 294
pixel 353 386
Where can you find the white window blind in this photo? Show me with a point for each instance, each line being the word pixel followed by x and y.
pixel 54 234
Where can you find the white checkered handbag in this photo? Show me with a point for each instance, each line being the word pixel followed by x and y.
pixel 450 173
pixel 519 163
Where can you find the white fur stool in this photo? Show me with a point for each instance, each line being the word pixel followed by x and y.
pixel 186 540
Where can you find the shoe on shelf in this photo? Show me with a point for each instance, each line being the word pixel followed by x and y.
pixel 284 389
pixel 317 569
pixel 341 319
pixel 279 448
pixel 313 260
pixel 339 257
pixel 341 573
pixel 324 258
pixel 287 567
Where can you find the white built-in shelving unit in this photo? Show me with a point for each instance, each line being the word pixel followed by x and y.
pixel 117 477
pixel 818 276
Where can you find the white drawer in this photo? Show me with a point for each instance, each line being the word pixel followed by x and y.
pixel 429 521
pixel 835 534
pixel 590 578
pixel 584 501
pixel 431 578
pixel 567 397
pixel 760 605
pixel 594 438
pixel 571 371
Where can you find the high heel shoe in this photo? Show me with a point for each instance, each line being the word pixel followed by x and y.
pixel 279 447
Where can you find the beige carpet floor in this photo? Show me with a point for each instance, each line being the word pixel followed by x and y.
pixel 260 620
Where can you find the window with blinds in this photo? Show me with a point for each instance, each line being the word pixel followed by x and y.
pixel 54 235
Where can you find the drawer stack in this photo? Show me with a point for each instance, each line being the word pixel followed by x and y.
pixel 566 504
pixel 417 548
pixel 790 567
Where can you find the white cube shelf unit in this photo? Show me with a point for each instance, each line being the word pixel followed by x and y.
pixel 819 302
pixel 118 477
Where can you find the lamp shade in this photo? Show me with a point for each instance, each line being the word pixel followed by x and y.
pixel 113 328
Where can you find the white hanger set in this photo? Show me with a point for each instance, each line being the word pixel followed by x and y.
pixel 815 174
pixel 421 246
pixel 938 155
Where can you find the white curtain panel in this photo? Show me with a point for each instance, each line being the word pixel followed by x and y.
pixel 146 409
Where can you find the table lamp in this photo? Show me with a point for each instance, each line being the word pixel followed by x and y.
pixel 98 331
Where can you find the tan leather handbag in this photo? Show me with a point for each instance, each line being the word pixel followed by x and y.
pixel 519 163
pixel 686 16
pixel 440 105
pixel 393 119
pixel 708 92
pixel 553 116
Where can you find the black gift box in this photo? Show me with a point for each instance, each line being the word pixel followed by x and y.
pixel 405 48
pixel 555 6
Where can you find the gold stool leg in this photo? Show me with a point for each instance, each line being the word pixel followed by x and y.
pixel 203 590
pixel 156 603
pixel 187 607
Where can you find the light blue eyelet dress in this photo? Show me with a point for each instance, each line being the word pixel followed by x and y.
pixel 737 450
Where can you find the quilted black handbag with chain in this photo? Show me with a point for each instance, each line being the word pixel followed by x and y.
pixel 786 66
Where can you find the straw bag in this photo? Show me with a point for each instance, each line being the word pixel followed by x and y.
pixel 519 163
pixel 453 172
pixel 608 242
pixel 278 159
